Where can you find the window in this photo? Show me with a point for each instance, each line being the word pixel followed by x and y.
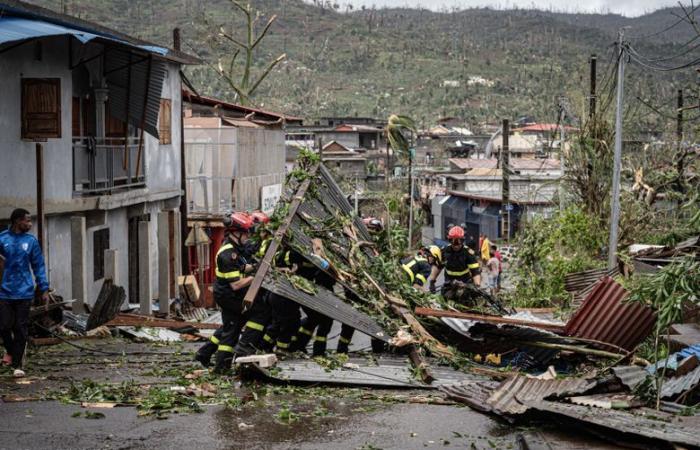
pixel 41 108
pixel 100 243
pixel 165 121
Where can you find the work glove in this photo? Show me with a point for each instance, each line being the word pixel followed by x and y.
pixel 433 288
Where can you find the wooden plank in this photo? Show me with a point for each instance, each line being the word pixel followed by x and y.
pixel 134 320
pixel 427 312
pixel 264 266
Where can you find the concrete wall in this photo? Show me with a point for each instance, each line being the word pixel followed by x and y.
pixel 18 168
pixel 163 161
pixel 351 140
pixel 18 171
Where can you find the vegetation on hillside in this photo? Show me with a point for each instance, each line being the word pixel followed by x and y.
pixel 477 64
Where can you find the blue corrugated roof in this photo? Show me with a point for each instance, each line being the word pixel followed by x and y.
pixel 15 29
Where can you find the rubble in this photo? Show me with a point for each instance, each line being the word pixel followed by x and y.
pixel 529 357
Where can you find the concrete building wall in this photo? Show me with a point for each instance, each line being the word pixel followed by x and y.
pixel 18 171
pixel 58 255
pixel 350 140
pixel 18 187
pixel 163 161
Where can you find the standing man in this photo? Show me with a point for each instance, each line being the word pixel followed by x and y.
pixel 24 269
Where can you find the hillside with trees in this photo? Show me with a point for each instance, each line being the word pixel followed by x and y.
pixel 477 64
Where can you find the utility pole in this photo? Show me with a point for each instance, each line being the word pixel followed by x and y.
pixel 562 159
pixel 505 189
pixel 320 149
pixel 679 118
pixel 184 251
pixel 615 203
pixel 410 193
pixel 592 97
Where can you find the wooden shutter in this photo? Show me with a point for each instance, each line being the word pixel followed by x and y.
pixel 41 108
pixel 165 121
pixel 114 128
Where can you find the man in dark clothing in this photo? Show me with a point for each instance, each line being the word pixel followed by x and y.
pixel 229 290
pixel 461 267
pixel 22 255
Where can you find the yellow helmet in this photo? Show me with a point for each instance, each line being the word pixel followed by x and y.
pixel 436 252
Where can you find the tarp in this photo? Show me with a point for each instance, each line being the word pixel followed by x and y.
pixel 15 29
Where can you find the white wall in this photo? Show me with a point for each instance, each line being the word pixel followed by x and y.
pixel 18 168
pixel 163 161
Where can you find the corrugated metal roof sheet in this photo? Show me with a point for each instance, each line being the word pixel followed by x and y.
pixel 678 385
pixel 472 393
pixel 326 303
pixel 630 376
pixel 581 280
pixel 137 81
pixel 510 397
pixel 606 317
pixel 385 371
pixel 657 427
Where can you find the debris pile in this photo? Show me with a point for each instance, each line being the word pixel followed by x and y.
pixel 522 366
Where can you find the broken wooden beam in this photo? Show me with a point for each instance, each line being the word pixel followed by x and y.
pixel 498 320
pixel 266 262
pixel 134 320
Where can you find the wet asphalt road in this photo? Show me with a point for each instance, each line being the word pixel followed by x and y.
pixel 49 425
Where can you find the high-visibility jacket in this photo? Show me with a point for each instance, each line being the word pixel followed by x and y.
pixel 459 264
pixel 418 269
pixel 229 269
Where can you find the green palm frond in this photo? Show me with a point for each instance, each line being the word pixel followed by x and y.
pixel 397 132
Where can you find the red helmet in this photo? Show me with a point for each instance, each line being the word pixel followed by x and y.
pixel 455 233
pixel 238 221
pixel 260 217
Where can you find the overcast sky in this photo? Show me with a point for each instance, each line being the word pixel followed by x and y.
pixel 625 7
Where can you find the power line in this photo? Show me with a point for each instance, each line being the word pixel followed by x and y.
pixel 670 27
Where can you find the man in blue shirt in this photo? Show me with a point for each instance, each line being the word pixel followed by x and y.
pixel 24 268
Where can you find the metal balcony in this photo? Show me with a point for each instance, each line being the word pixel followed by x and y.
pixel 102 166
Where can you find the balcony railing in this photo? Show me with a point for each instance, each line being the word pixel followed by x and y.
pixel 106 165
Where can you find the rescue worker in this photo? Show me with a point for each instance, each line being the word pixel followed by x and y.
pixel 257 245
pixel 461 267
pixel 273 319
pixel 229 290
pixel 420 266
pixel 314 321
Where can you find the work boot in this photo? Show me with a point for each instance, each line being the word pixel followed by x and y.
pixel 203 359
pixel 204 354
pixel 319 348
pixel 224 361
pixel 378 346
pixel 343 347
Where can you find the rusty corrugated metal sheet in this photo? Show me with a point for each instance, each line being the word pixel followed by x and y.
pixel 511 395
pixel 606 317
pixel 578 281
